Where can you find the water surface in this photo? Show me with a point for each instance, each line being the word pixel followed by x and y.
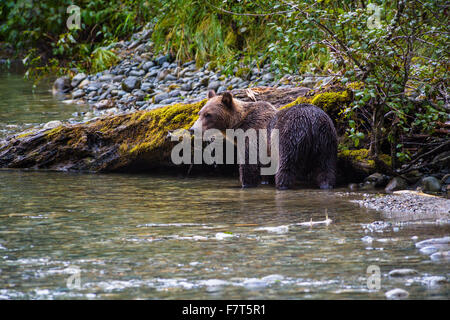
pixel 146 237
pixel 24 105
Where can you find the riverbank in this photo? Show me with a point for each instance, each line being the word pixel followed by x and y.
pixel 144 80
pixel 409 205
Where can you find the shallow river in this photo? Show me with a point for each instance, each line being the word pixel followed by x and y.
pixel 102 236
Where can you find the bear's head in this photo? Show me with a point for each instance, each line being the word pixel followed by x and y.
pixel 220 112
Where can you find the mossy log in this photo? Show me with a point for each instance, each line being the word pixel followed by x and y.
pixel 132 142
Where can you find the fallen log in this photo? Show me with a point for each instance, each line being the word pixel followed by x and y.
pixel 138 141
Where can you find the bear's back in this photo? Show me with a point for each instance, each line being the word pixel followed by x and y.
pixel 301 115
pixel 257 115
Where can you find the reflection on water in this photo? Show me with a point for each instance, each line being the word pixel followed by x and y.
pixel 140 236
pixel 23 106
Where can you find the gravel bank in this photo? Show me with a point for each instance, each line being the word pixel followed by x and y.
pixel 409 205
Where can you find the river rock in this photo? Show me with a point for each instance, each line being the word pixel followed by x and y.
pixel 429 250
pixel 430 184
pixel 433 241
pixel 186 86
pixel 137 73
pixel 147 87
pixel 395 184
pixel 139 94
pixel 106 78
pixel 204 81
pixel 148 65
pixel 413 176
pixel 103 104
pixel 131 83
pixel 174 93
pixel 78 93
pixel 377 179
pixel 441 256
pixel 160 97
pixel 83 84
pixel 162 75
pixel 268 77
pixel 402 272
pixel 309 82
pixel 161 59
pixel 77 79
pixel 397 293
pixel 61 85
pixel 213 85
pixel 170 77
pixel 52 124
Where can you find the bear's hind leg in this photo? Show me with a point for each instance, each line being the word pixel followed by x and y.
pixel 325 173
pixel 286 174
pixel 250 175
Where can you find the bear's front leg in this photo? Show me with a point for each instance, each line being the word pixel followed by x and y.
pixel 249 175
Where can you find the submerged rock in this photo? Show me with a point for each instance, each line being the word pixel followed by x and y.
pixel 397 293
pixel 433 241
pixel 402 272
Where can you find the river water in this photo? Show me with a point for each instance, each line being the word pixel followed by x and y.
pixel 119 236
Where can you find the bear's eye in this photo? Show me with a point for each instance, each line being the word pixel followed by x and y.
pixel 207 115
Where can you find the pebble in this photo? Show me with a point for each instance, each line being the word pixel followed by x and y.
pixel 402 272
pixel 77 94
pixel 160 97
pixel 397 293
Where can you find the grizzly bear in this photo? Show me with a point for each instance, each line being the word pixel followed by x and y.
pixel 307 137
pixel 307 146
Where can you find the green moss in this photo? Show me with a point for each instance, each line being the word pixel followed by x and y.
pixel 299 100
pixel 355 85
pixel 360 155
pixel 386 159
pixel 154 125
pixel 26 134
pixel 54 132
pixel 331 101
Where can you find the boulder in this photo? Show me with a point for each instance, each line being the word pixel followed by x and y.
pixel 77 79
pixel 430 184
pixel 395 184
pixel 61 85
pixel 131 83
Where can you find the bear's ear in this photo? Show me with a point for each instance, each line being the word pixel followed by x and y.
pixel 211 94
pixel 227 99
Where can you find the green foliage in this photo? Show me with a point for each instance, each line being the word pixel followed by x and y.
pixel 396 63
pixel 28 24
pixel 102 58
